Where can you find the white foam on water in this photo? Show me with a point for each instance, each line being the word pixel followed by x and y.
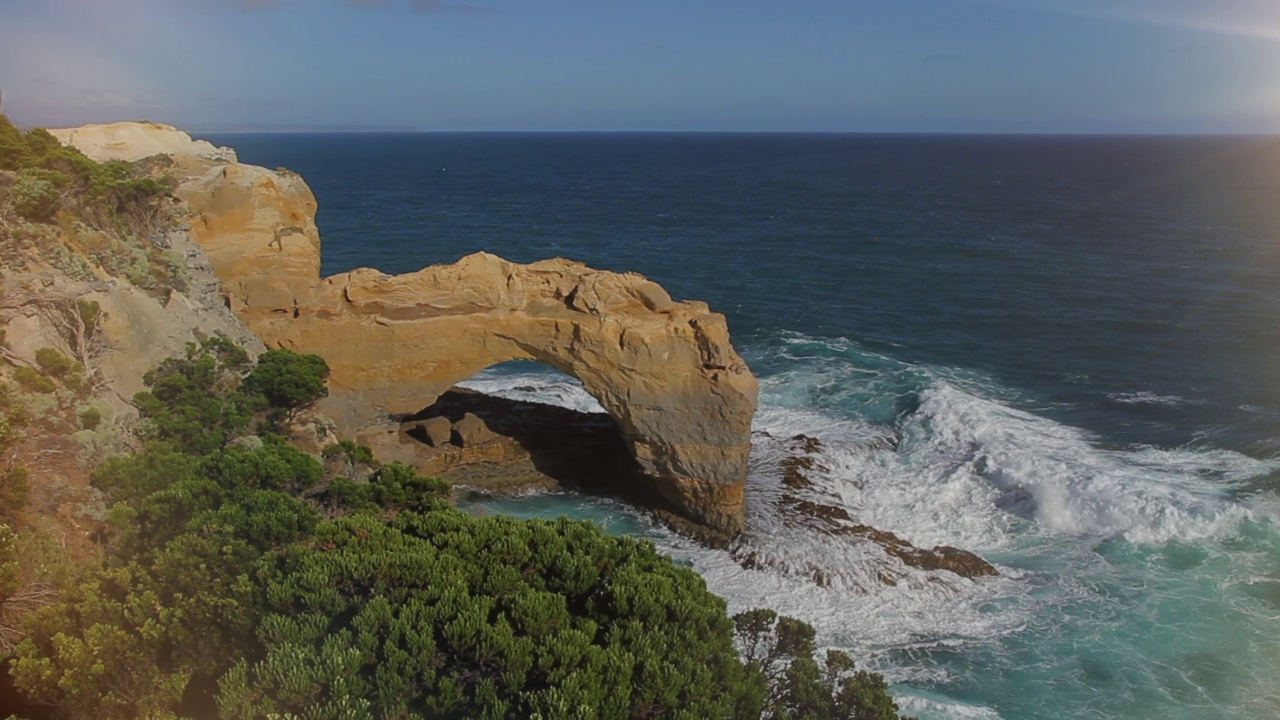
pixel 973 471
pixel 959 466
pixel 934 709
pixel 1146 397
pixel 549 388
pixel 1059 478
pixel 923 609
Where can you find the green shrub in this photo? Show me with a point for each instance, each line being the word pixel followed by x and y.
pixel 91 316
pixel 352 451
pixel 782 649
pixel 35 198
pixel 14 153
pixel 41 143
pixel 447 615
pixel 32 381
pixel 15 492
pixel 90 418
pixel 192 402
pixel 288 379
pixel 53 363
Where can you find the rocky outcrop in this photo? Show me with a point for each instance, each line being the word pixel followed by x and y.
pixel 136 140
pixel 800 500
pixel 524 445
pixel 664 370
pixel 255 222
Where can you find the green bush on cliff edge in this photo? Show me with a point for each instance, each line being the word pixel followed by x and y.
pixel 73 212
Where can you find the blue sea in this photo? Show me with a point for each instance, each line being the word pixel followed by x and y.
pixel 1072 345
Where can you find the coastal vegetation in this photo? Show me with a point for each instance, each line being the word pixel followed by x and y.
pixel 238 574
pixel 225 572
pixel 77 214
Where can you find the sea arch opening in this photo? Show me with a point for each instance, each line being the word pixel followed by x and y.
pixel 539 427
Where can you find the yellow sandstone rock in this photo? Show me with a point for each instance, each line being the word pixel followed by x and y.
pixel 664 370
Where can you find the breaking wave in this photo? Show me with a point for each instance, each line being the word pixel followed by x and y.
pixel 943 457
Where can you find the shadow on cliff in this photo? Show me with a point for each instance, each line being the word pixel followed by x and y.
pixel 533 445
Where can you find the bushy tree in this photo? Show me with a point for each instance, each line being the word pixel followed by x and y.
pixel 176 600
pixel 289 379
pixel 35 198
pixel 14 153
pixel 90 418
pixel 446 615
pixel 31 380
pixel 101 652
pixel 192 402
pixel 53 363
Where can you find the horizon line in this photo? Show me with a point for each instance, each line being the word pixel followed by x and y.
pixel 925 133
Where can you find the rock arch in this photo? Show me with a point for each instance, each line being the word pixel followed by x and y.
pixel 664 370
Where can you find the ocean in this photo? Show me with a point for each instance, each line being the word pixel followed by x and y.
pixel 1062 353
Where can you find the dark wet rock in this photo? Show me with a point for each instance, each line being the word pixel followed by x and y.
pixel 793 476
pixel 832 519
pixel 800 462
pixel 828 517
pixel 940 557
pixel 805 444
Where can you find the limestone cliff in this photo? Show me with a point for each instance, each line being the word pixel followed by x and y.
pixel 664 370
pixel 137 140
pixel 89 302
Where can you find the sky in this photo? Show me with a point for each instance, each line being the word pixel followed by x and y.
pixel 1073 66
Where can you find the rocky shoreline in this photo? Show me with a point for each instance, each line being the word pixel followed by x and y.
pixel 497 446
pixel 679 398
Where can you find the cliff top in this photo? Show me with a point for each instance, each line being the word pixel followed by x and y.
pixel 131 141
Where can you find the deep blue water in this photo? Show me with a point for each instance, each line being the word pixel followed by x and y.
pixel 1076 338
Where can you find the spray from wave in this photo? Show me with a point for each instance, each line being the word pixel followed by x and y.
pixel 942 457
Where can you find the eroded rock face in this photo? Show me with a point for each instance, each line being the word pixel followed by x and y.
pixel 254 221
pixel 664 370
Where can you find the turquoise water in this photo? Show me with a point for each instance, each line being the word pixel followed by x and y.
pixel 1060 353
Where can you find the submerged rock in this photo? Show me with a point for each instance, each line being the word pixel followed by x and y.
pixel 834 520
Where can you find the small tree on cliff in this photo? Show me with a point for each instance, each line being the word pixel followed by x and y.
pixel 289 380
